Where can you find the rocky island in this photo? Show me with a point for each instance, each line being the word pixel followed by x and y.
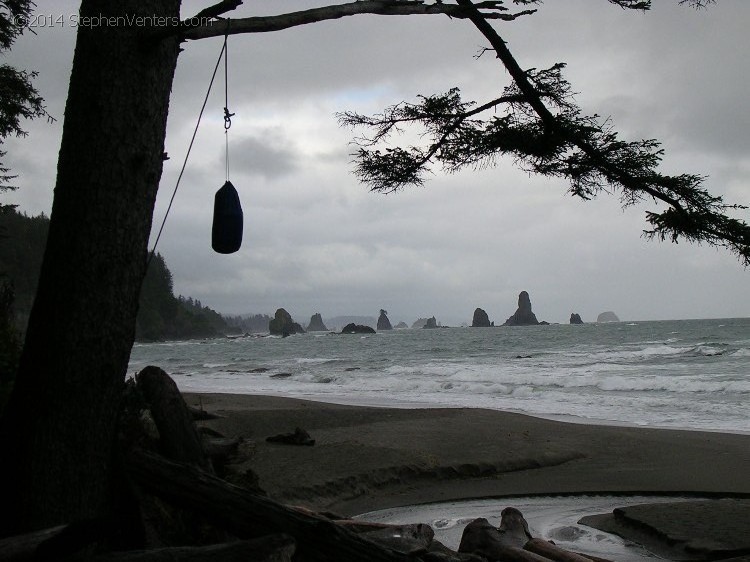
pixel 383 322
pixel 575 318
pixel 283 325
pixel 316 324
pixel 480 319
pixel 523 315
pixel 357 329
pixel 608 316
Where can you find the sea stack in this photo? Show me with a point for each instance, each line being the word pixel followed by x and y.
pixel 480 320
pixel 419 323
pixel 430 324
pixel 575 318
pixel 283 325
pixel 523 315
pixel 608 316
pixel 383 322
pixel 316 323
pixel 357 329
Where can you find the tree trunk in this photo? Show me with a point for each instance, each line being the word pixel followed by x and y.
pixel 61 419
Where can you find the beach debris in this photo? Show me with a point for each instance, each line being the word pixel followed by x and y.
pixel 220 448
pixel 298 437
pixel 407 539
pixel 178 436
pixel 513 527
pixel 199 414
pixel 512 541
pixel 247 515
pixel 480 537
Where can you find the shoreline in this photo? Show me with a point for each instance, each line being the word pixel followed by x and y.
pixel 370 458
pixel 341 400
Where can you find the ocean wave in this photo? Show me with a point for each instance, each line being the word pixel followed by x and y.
pixel 672 384
pixel 318 361
pixel 707 351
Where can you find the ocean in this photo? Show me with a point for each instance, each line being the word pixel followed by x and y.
pixel 688 374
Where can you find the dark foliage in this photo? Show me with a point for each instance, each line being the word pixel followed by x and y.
pixel 161 315
pixel 10 342
pixel 22 241
pixel 19 99
pixel 249 323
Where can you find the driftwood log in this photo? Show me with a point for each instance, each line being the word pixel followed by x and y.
pixel 247 515
pixel 53 544
pixel 481 538
pixel 25 547
pixel 273 548
pixel 178 437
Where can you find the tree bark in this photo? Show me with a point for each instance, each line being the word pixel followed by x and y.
pixel 61 420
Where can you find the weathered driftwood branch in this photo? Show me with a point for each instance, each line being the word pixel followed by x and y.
pixel 481 538
pixel 178 437
pixel 512 542
pixel 24 547
pixel 273 548
pixel 247 515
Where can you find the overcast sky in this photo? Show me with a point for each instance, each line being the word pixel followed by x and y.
pixel 316 240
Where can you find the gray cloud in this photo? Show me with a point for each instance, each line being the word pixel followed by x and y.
pixel 317 241
pixel 266 153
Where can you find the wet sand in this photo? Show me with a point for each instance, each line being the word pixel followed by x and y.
pixel 367 458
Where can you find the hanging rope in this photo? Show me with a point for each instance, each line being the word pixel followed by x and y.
pixel 190 147
pixel 227 116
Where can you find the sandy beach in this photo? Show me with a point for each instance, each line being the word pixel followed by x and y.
pixel 367 458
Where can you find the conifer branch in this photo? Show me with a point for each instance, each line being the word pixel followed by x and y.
pixel 546 133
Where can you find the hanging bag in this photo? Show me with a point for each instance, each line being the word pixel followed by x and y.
pixel 226 231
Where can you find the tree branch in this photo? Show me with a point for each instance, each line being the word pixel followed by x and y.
pixel 263 24
pixel 217 9
pixel 533 98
